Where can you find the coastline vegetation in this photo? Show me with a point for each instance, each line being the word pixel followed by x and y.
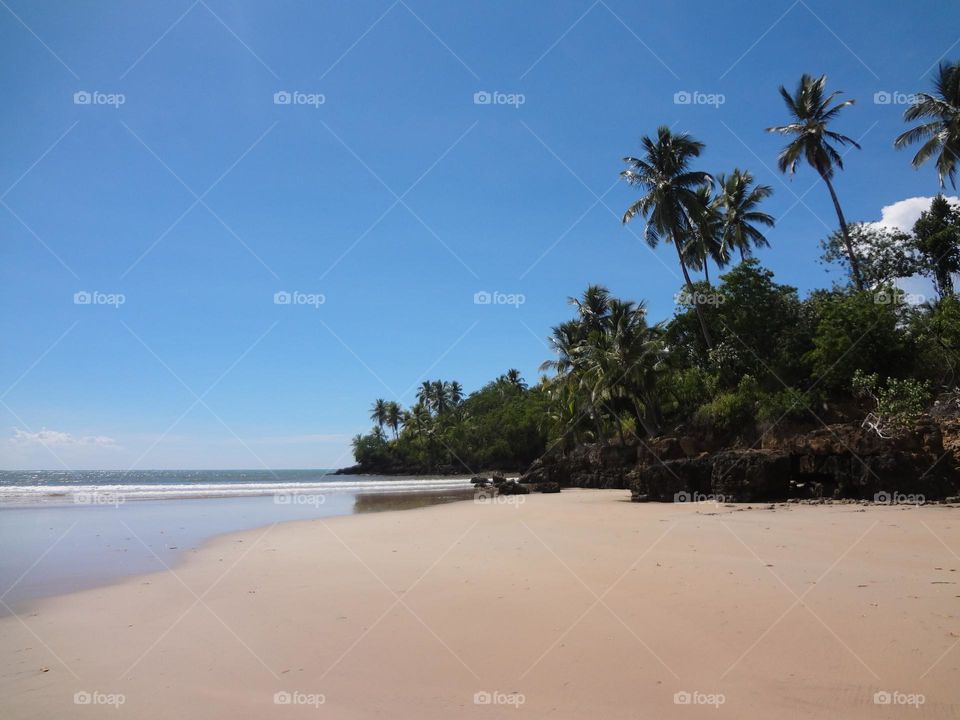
pixel 740 355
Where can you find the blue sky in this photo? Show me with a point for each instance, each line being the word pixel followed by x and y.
pixel 383 189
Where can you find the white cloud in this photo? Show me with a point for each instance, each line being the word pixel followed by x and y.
pixel 902 214
pixel 55 438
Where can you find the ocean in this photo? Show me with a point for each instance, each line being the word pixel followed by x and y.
pixel 67 531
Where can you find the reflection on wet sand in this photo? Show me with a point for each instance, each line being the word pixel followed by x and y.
pixel 381 502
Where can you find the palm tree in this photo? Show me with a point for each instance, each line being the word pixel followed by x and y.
pixel 942 132
pixel 394 417
pixel 514 378
pixel 608 364
pixel 425 394
pixel 440 397
pixel 378 412
pixel 670 200
pixel 738 203
pixel 454 392
pixel 705 242
pixel 811 114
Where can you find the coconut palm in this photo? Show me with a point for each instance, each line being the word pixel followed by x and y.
pixel 738 202
pixel 441 399
pixel 670 202
pixel 454 392
pixel 425 394
pixel 513 377
pixel 705 242
pixel 378 412
pixel 811 114
pixel 394 417
pixel 941 131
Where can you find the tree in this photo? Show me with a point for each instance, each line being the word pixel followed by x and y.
pixel 608 365
pixel 394 417
pixel 941 131
pixel 811 114
pixel 936 235
pixel 425 394
pixel 454 393
pixel 738 200
pixel 378 412
pixel 670 201
pixel 514 378
pixel 883 254
pixel 706 240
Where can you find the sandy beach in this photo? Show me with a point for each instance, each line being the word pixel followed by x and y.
pixel 566 606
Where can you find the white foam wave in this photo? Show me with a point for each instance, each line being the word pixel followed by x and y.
pixel 98 493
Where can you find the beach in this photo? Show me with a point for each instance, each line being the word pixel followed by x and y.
pixel 574 605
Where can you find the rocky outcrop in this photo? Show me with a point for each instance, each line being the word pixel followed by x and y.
pixel 835 461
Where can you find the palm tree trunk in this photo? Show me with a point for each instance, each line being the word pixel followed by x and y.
pixel 692 292
pixel 706 272
pixel 854 263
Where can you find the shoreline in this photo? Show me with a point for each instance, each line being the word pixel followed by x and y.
pixel 421 611
pixel 75 547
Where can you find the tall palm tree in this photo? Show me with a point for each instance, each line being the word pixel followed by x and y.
pixel 378 412
pixel 811 114
pixel 454 392
pixel 425 394
pixel 942 132
pixel 738 202
pixel 440 397
pixel 705 241
pixel 394 417
pixel 670 200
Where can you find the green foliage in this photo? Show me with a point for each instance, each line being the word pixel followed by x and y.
pixel 898 402
pixel 937 239
pixel 499 426
pixel 731 411
pixel 858 331
pixel 883 254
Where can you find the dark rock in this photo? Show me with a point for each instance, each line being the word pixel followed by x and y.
pixel 548 487
pixel 665 481
pixel 750 475
pixel 480 481
pixel 512 487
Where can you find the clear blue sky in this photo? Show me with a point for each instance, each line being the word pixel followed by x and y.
pixel 200 368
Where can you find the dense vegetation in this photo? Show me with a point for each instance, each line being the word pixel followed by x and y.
pixel 739 357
